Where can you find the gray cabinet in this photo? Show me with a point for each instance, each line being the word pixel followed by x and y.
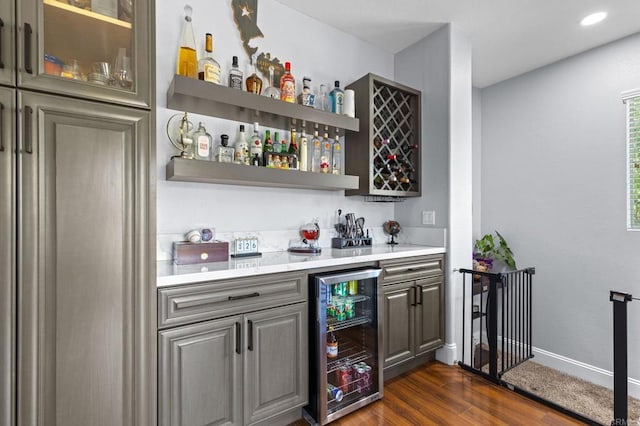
pixel 85 241
pixel 248 366
pixel 413 320
pixel 7 257
pixel 52 33
pixel 7 43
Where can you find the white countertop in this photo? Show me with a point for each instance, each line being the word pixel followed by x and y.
pixel 169 274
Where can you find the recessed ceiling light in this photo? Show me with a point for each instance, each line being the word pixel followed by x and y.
pixel 594 18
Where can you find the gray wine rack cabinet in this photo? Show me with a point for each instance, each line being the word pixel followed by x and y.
pixel 385 153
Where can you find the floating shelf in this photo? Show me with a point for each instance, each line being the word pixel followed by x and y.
pixel 201 97
pixel 179 169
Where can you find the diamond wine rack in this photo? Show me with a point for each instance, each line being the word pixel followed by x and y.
pixel 386 151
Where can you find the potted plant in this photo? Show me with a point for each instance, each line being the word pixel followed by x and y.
pixel 485 251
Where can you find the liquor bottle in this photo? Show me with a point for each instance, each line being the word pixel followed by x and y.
pixel 208 67
pixel 267 146
pixel 305 97
pixel 325 154
pixel 202 141
pixel 187 57
pixel 283 146
pixel 336 99
pixel 225 153
pixel 276 143
pixel 255 150
pixel 287 85
pixel 304 152
pixel 254 83
pixel 316 146
pixel 242 147
pixel 271 91
pixel 332 344
pixel 235 75
pixel 293 143
pixel 336 155
pixel 322 103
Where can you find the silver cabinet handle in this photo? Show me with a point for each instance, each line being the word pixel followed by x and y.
pixel 27 48
pixel 1 31
pixel 1 122
pixel 28 135
pixel 238 338
pixel 250 335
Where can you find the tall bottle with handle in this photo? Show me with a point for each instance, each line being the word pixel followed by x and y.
pixel 187 64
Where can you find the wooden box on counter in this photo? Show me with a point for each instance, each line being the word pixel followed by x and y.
pixel 186 253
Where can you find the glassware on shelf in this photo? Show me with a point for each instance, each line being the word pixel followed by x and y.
pixel 82 4
pixel 125 10
pixel 271 91
pixel 187 64
pixel 122 76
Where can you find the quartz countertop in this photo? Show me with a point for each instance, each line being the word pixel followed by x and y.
pixel 169 274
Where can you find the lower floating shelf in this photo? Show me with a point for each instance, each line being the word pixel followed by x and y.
pixel 179 169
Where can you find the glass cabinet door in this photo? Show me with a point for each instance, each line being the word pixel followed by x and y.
pixel 98 49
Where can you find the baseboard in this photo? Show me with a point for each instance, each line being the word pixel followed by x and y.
pixel 447 354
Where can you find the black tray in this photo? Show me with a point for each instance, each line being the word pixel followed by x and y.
pixel 341 243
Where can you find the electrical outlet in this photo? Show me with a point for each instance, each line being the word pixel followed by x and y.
pixel 429 217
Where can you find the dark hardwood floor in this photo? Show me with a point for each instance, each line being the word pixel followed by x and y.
pixel 439 394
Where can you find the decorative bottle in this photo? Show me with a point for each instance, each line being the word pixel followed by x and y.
pixel 316 149
pixel 241 147
pixel 336 155
pixel 225 153
pixel 336 99
pixel 287 85
pixel 235 75
pixel 271 91
pixel 325 154
pixel 255 150
pixel 187 57
pixel 208 67
pixel 254 83
pixel 304 152
pixel 202 141
pixel 305 97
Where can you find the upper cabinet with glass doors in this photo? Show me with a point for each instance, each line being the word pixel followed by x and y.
pixel 98 49
pixel 7 45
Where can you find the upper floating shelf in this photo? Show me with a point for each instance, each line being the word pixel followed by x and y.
pixel 201 97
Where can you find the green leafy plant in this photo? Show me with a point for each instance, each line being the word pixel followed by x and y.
pixel 486 248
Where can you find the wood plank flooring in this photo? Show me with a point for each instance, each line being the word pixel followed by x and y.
pixel 439 394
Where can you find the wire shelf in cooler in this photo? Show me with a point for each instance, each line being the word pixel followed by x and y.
pixel 349 352
pixel 336 325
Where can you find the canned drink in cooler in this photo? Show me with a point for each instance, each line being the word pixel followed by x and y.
pixel 367 379
pixel 358 373
pixel 353 288
pixel 349 311
pixel 339 306
pixel 334 393
pixel 344 378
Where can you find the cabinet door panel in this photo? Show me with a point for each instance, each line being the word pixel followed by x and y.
pixel 429 322
pixel 200 374
pixel 398 335
pixel 84 267
pixel 7 45
pixel 276 361
pixel 7 256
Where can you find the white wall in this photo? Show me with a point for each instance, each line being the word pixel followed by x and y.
pixel 314 49
pixel 553 183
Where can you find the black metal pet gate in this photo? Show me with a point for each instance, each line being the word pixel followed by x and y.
pixel 497 321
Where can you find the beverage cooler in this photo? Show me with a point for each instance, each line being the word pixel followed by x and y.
pixel 345 344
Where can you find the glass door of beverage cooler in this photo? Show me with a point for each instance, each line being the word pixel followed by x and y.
pixel 345 344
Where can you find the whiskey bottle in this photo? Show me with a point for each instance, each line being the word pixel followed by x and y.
pixel 187 57
pixel 304 152
pixel 271 91
pixel 235 75
pixel 254 83
pixel 336 99
pixel 287 85
pixel 316 148
pixel 325 154
pixel 208 67
pixel 241 147
pixel 202 141
pixel 225 153
pixel 336 155
pixel 255 150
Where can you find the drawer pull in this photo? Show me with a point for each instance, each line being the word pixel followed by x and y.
pixel 419 291
pixel 426 266
pixel 244 296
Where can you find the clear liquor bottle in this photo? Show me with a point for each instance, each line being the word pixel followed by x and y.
pixel 241 147
pixel 336 155
pixel 325 153
pixel 316 150
pixel 208 67
pixel 235 75
pixel 187 64
pixel 303 158
pixel 287 85
pixel 255 150
pixel 271 91
pixel 322 103
pixel 225 153
pixel 336 99
pixel 202 141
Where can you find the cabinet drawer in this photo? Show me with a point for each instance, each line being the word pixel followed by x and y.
pixel 187 304
pixel 412 268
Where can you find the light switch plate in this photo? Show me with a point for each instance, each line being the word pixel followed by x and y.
pixel 429 217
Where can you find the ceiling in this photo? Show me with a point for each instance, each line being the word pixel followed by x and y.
pixel 508 37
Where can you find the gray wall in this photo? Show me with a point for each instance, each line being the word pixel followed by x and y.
pixel 553 182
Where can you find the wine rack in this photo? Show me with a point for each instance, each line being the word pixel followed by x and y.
pixel 385 153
